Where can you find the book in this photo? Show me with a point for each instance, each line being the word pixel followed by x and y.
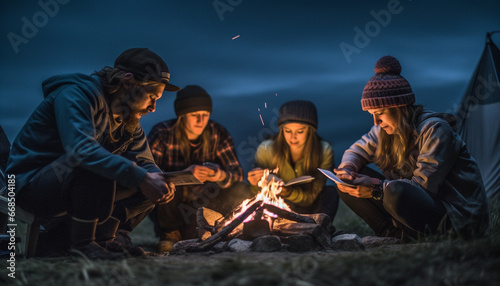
pixel 331 176
pixel 299 180
pixel 181 178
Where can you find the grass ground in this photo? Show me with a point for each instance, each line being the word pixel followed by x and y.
pixel 450 262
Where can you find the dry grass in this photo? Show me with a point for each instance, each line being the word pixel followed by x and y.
pixel 451 262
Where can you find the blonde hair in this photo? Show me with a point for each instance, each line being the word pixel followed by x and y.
pixel 394 152
pixel 313 151
pixel 183 141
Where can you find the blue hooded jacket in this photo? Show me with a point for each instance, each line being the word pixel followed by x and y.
pixel 73 121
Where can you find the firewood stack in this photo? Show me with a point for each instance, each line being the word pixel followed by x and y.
pixel 296 232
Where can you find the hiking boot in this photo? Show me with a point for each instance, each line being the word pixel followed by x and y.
pixel 106 237
pixel 83 240
pixel 167 241
pixel 115 246
pixel 93 250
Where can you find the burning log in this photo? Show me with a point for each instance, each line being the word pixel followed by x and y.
pixel 299 243
pixel 219 236
pixel 315 230
pixel 256 228
pixel 205 220
pixel 297 228
pixel 324 220
pixel 221 222
pixel 288 215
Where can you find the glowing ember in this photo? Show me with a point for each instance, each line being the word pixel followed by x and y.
pixel 236 37
pixel 268 194
pixel 261 120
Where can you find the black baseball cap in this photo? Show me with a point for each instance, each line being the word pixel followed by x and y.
pixel 145 65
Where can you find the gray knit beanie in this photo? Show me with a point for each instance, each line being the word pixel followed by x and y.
pixel 298 111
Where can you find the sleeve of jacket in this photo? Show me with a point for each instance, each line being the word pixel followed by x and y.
pixel 139 152
pixel 74 111
pixel 263 159
pixel 305 195
pixel 362 151
pixel 226 152
pixel 437 155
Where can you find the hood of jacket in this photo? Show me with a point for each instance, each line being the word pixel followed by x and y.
pixel 88 84
pixel 429 114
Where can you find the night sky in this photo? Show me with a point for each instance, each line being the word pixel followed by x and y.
pixel 323 51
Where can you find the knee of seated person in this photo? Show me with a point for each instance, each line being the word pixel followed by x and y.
pixel 84 175
pixel 394 191
pixel 331 191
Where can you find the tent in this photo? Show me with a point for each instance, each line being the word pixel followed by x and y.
pixel 478 116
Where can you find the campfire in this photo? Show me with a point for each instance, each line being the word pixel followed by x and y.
pixel 265 215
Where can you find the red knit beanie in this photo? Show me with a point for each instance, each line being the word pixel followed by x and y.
pixel 387 88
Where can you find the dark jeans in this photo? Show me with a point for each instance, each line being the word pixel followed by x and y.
pixel 403 207
pixel 327 202
pixel 84 195
pixel 180 213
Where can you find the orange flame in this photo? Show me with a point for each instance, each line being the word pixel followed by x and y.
pixel 269 194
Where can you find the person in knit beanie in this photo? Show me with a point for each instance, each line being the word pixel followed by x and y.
pixel 194 142
pixel 429 183
pixel 297 150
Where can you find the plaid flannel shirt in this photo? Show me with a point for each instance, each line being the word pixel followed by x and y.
pixel 166 151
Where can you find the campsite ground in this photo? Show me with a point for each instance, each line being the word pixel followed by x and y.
pixel 450 262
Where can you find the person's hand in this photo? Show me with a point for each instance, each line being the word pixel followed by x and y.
pixel 363 185
pixel 255 175
pixel 201 173
pixel 216 175
pixel 344 174
pixel 156 190
pixel 285 192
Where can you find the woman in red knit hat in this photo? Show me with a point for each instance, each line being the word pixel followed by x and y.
pixel 430 183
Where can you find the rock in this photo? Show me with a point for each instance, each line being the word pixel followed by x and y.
pixel 238 245
pixel 347 242
pixel 298 243
pixel 219 247
pixel 266 243
pixel 375 241
pixel 182 245
pixel 324 240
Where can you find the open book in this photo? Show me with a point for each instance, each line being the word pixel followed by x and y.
pixel 299 180
pixel 331 176
pixel 181 178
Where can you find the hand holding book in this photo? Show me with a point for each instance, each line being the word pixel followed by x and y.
pixel 330 175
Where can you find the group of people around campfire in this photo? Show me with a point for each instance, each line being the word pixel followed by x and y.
pixel 86 167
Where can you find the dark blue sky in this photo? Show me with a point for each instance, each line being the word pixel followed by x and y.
pixel 285 50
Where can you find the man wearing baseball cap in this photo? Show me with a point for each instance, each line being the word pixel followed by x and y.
pixel 83 156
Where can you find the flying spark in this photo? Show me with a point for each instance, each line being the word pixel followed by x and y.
pixel 236 37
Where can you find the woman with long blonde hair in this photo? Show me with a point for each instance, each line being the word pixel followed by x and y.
pixel 297 150
pixel 430 183
pixel 194 142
